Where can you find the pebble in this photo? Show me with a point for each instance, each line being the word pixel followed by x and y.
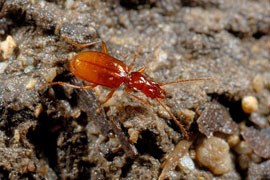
pixel 192 154
pixel 188 116
pixel 76 112
pixel 233 140
pixel 50 74
pixel 7 47
pixel 255 158
pixel 3 66
pixel 214 154
pixel 250 104
pixel 133 135
pixel 26 60
pixel 160 57
pixel 259 120
pixel 16 136
pixel 243 148
pixel 69 4
pixel 31 166
pixel 186 163
pixel 244 161
pixel 31 83
pixel 257 83
pixel 38 110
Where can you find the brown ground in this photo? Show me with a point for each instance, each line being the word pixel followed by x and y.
pixel 58 132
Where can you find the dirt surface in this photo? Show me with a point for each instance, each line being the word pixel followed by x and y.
pixel 62 133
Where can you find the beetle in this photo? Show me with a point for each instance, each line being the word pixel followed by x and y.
pixel 99 68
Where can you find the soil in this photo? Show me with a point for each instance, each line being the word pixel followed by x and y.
pixel 57 132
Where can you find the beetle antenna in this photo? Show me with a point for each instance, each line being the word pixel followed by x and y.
pixel 186 80
pixel 183 130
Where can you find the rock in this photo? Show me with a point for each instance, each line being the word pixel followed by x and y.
pixel 214 154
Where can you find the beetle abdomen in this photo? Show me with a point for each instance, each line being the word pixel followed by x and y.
pixel 98 68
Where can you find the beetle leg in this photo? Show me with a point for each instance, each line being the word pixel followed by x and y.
pixel 141 70
pixel 143 101
pixel 132 63
pixel 71 85
pixel 81 46
pixel 130 67
pixel 108 97
pixel 181 127
pixel 104 47
pixel 78 45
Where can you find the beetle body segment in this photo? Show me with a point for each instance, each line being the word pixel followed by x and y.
pixel 138 81
pixel 99 68
pixel 102 69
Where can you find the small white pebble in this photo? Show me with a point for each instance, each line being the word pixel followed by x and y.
pixel 26 60
pixel 187 164
pixel 118 162
pixel 60 140
pixel 31 83
pixel 3 66
pixel 233 140
pixel 161 55
pixel 214 154
pixel 16 136
pixel 78 128
pixel 28 69
pixel 249 104
pixel 50 75
pixel 7 47
pixel 133 135
pixel 257 83
pixel 160 59
pixel 69 4
pixel 38 110
pixel 128 124
pixel 92 129
pixel 76 112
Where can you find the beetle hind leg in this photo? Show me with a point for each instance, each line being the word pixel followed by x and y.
pixel 70 85
pixel 79 45
pixel 108 97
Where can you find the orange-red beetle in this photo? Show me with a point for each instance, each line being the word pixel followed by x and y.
pixel 99 68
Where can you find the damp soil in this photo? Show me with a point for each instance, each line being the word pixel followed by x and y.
pixel 56 132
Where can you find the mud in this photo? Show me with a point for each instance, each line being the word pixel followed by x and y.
pixel 63 133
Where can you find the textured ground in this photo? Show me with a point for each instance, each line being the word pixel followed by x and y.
pixel 58 132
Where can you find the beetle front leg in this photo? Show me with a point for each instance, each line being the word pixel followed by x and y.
pixel 104 47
